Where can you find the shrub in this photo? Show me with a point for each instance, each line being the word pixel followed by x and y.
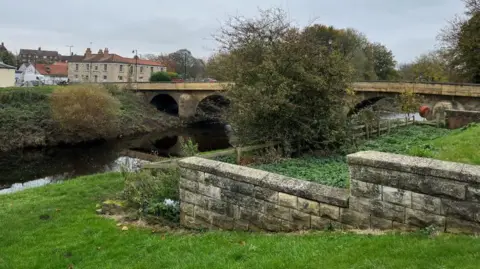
pixel 290 84
pixel 85 110
pixel 160 77
pixel 189 147
pixel 153 192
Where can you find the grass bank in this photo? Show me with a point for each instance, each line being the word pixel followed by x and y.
pixel 56 227
pixel 419 140
pixel 26 118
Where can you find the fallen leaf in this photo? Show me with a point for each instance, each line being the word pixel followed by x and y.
pixel 119 224
pixel 163 237
pixel 124 228
pixel 242 243
pixel 70 266
pixel 58 209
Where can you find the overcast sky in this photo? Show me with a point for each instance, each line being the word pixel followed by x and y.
pixel 407 27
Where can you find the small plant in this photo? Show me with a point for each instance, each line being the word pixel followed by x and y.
pixel 409 102
pixel 153 192
pixel 429 231
pixel 160 77
pixel 188 146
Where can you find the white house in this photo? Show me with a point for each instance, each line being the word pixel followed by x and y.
pixel 49 74
pixel 7 75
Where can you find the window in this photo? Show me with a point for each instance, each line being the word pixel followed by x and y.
pixel 151 69
pixel 76 76
pixel 96 67
pixel 96 78
pixel 121 68
pixel 120 78
pixel 105 67
pixel 141 78
pixel 88 66
pixel 86 77
pixel 141 69
pixel 76 67
pixel 105 77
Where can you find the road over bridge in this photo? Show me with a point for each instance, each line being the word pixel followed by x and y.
pixel 183 99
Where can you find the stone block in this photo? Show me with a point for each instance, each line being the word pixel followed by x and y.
pixel 427 203
pixel 473 194
pixel 459 226
pixel 199 164
pixel 285 226
pixel 241 173
pixel 390 162
pixel 218 206
pixel 222 222
pixel 192 174
pixel 269 223
pixel 241 187
pixel 308 190
pixel 365 189
pixel 403 227
pixel 193 198
pixel 470 173
pixel 278 211
pixel 308 206
pixel 397 196
pixel 209 190
pixel 217 181
pixel 203 215
pixel 354 219
pixel 240 225
pixel 300 220
pixel 187 209
pixel 378 209
pixel 287 200
pixel 266 194
pixel 423 219
pixel 329 211
pixel 243 201
pixel 434 186
pixel 443 169
pixel 462 210
pixel 318 223
pixel 187 221
pixel 377 176
pixel 189 185
pixel 233 211
pixel 380 224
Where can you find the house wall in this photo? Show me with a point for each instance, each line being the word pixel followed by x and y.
pixel 387 191
pixel 116 72
pixel 7 77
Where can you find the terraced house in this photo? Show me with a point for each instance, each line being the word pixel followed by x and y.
pixel 108 67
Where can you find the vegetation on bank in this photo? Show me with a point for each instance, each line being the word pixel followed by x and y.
pixel 56 227
pixel 417 140
pixel 48 116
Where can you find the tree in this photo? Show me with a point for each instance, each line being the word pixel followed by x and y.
pixel 166 60
pixel 383 61
pixel 8 58
pixel 290 85
pixel 160 77
pixel 459 41
pixel 217 67
pixel 184 61
pixel 430 67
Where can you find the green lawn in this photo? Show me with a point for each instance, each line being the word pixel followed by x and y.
pixel 460 145
pixel 56 227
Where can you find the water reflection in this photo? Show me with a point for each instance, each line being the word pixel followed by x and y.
pixel 32 168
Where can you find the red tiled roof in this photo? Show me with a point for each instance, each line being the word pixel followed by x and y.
pixel 56 69
pixel 94 58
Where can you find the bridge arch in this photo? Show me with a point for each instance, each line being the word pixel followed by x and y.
pixel 380 102
pixel 165 103
pixel 211 107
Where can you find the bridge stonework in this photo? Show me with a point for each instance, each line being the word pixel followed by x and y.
pixel 189 95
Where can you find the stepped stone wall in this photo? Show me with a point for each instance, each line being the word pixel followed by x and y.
pixel 387 191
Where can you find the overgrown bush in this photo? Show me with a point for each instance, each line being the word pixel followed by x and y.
pixel 290 84
pixel 160 77
pixel 86 110
pixel 188 146
pixel 154 192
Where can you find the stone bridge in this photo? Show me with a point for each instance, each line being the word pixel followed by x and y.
pixel 183 99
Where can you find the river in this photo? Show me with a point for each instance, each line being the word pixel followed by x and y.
pixel 36 167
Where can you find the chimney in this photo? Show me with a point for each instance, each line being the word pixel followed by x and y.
pixel 39 48
pixel 100 51
pixel 105 52
pixel 88 52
